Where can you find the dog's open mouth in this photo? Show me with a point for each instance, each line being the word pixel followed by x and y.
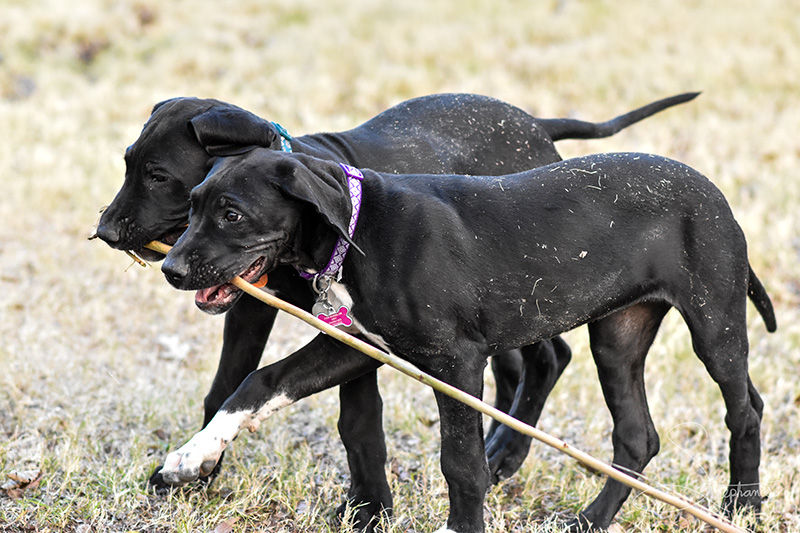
pixel 219 298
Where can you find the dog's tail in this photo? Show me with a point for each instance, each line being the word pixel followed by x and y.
pixel 567 128
pixel 758 295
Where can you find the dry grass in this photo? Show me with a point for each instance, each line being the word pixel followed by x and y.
pixel 104 370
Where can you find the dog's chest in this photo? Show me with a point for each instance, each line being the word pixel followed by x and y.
pixel 413 336
pixel 339 296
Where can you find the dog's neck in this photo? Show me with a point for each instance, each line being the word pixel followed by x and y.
pixel 332 268
pixel 312 245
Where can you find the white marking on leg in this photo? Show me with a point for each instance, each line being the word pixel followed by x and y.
pixel 199 456
pixel 265 411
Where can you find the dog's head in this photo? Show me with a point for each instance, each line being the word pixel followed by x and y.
pixel 252 213
pixel 171 156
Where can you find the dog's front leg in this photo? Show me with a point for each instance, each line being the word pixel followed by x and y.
pixel 200 455
pixel 361 428
pixel 464 464
pixel 247 326
pixel 317 366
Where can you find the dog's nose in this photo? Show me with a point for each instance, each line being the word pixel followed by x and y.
pixel 174 271
pixel 108 232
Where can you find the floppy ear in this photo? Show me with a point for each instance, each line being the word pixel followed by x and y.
pixel 227 131
pixel 324 186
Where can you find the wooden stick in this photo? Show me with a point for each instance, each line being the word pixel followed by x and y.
pixel 410 370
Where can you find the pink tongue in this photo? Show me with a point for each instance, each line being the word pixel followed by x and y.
pixel 202 295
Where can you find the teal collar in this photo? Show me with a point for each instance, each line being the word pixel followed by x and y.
pixel 286 144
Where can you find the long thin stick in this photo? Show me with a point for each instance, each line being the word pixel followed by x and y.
pixel 410 370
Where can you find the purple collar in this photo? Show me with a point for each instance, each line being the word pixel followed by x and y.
pixel 354 177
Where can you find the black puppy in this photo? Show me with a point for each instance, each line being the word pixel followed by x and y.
pixel 441 133
pixel 448 271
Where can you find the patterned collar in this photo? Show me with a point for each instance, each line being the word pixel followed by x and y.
pixel 331 270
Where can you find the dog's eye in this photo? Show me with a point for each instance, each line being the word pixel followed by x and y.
pixel 159 178
pixel 232 216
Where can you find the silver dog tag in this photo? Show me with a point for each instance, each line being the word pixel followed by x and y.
pixel 322 306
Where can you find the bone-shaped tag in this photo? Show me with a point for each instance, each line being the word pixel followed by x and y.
pixel 339 318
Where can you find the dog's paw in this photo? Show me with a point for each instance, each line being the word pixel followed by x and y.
pixel 365 516
pixel 582 525
pixel 506 451
pixel 195 459
pixel 738 497
pixel 157 484
pixel 199 457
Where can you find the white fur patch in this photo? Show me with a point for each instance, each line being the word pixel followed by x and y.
pixel 199 456
pixel 342 297
pixel 272 406
pixel 444 530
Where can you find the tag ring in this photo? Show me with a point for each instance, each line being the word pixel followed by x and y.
pixel 315 284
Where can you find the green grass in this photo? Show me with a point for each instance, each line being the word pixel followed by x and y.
pixel 104 370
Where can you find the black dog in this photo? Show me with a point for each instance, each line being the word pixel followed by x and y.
pixel 447 271
pixel 442 133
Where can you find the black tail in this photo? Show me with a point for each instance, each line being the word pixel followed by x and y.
pixel 758 295
pixel 567 128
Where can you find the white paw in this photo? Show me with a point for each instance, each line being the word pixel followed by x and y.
pixel 196 458
pixel 199 456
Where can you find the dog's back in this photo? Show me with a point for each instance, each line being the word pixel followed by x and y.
pixel 557 246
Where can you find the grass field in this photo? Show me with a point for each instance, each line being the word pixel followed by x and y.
pixel 104 367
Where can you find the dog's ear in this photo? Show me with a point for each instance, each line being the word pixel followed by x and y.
pixel 225 131
pixel 322 185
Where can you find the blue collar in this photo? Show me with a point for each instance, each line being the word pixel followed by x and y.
pixel 354 178
pixel 286 139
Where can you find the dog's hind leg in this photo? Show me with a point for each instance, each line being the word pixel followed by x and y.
pixel 720 341
pixel 619 344
pixel 543 364
pixel 361 430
